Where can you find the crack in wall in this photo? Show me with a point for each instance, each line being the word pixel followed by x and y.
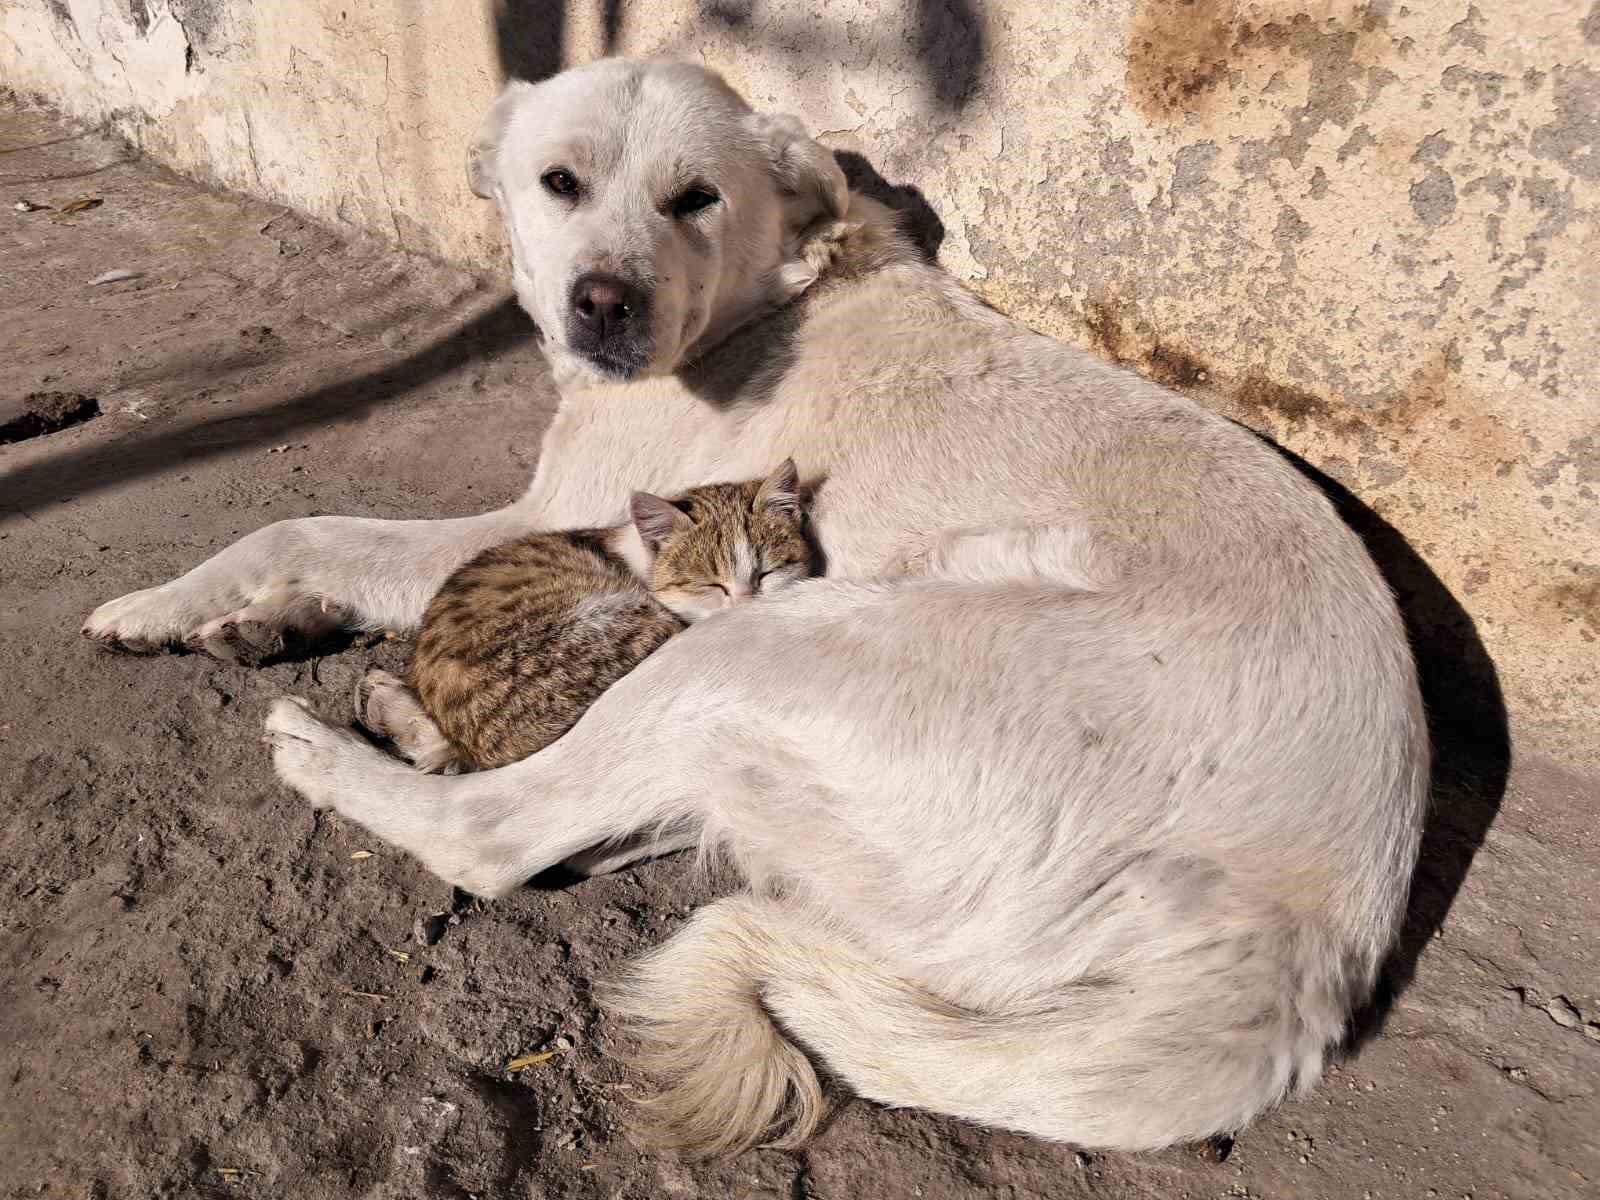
pixel 383 183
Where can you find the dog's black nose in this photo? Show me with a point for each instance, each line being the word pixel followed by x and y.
pixel 605 305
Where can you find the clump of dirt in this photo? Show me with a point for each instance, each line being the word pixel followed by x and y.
pixel 39 413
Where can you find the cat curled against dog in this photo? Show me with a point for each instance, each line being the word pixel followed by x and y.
pixel 520 641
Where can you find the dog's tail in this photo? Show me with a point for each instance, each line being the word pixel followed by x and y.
pixel 1179 1054
pixel 698 1007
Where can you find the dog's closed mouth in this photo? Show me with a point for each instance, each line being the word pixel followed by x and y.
pixel 619 362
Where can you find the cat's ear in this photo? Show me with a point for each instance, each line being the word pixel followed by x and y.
pixel 656 519
pixel 780 491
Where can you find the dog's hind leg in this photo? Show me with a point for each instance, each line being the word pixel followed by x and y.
pixel 1035 905
pixel 491 830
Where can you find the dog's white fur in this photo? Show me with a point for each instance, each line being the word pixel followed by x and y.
pixel 1081 796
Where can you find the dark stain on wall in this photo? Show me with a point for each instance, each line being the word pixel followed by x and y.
pixel 1116 335
pixel 1107 336
pixel 1181 53
pixel 1174 368
pixel 1578 600
pixel 1261 399
pixel 1273 407
pixel 1178 50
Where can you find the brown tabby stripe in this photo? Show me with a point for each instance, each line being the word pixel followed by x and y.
pixel 506 662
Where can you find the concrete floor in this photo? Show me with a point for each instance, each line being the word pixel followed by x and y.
pixel 205 991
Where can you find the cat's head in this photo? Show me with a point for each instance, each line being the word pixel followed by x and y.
pixel 717 545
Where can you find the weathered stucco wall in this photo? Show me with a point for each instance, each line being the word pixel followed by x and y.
pixel 1368 230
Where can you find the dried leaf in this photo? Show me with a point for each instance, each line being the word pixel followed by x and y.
pixel 531 1060
pixel 400 954
pixel 114 277
pixel 82 204
pixel 360 854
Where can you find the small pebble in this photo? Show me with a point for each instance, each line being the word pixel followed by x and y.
pixel 1563 1013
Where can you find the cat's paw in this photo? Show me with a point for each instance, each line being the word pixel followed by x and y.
pixel 385 706
pixel 375 701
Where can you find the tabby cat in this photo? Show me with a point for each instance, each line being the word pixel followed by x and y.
pixel 520 641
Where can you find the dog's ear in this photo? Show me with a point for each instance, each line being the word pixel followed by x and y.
pixel 483 165
pixel 812 184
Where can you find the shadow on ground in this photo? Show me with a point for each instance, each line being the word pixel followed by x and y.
pixel 98 465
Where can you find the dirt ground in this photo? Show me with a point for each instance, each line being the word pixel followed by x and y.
pixel 210 990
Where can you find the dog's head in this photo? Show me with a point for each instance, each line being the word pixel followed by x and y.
pixel 650 211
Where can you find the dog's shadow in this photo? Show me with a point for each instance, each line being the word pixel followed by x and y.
pixel 1466 721
pixel 917 218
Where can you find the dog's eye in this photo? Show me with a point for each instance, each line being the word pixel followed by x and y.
pixel 692 200
pixel 560 182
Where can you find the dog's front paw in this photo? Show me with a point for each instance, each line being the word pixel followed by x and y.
pixel 310 755
pixel 144 622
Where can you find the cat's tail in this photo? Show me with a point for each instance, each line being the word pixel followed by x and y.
pixel 724 1009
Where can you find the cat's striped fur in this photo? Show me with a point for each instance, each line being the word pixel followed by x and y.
pixel 520 641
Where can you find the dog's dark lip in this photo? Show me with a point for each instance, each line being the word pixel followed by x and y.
pixel 622 366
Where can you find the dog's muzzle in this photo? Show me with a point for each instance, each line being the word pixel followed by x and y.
pixel 608 322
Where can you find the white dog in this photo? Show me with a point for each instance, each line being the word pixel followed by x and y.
pixel 1082 795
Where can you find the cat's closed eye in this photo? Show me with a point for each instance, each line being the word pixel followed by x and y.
pixel 779 574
